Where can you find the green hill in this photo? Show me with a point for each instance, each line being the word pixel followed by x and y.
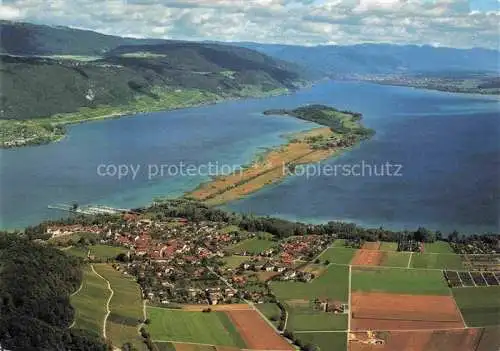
pixel 20 38
pixel 66 85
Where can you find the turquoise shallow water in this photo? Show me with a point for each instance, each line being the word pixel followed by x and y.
pixel 447 143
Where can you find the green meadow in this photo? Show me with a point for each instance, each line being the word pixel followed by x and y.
pixel 214 328
pixel 332 284
pixel 479 306
pixel 399 281
pixel 90 303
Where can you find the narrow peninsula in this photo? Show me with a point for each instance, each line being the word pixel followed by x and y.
pixel 340 131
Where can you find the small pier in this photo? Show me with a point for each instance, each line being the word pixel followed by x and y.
pixel 88 210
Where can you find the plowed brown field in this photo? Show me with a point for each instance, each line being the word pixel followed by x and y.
pixel 382 311
pixel 449 340
pixel 193 347
pixel 256 333
pixel 367 257
pixel 369 245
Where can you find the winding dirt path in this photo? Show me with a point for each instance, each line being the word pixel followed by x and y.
pixel 108 310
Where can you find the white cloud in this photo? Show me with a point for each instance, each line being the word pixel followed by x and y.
pixel 9 12
pixel 449 22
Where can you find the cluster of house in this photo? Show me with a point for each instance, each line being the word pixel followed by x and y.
pixel 64 230
pixel 302 248
pixel 477 247
pixel 282 259
pixel 172 259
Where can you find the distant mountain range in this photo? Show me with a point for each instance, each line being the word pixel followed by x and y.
pixel 383 58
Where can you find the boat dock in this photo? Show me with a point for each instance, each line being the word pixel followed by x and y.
pixel 88 210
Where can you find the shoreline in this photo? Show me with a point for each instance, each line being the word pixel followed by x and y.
pixel 127 111
pixel 485 96
pixel 339 131
pixel 267 168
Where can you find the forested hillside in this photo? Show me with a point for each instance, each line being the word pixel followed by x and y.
pixel 35 311
pixel 33 39
pixel 52 76
pixel 41 87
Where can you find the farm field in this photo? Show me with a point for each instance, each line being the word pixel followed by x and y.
pixel 165 346
pixel 234 261
pixel 371 245
pixel 388 246
pixel 338 255
pixel 382 311
pixel 100 252
pixel 125 306
pixel 214 328
pixel 372 257
pixel 482 262
pixel 77 251
pixel 339 243
pixel 325 341
pixel 332 284
pixel 436 261
pixel 193 347
pixel 253 246
pixel 302 317
pixel 438 247
pixel 271 311
pixel 90 303
pixel 399 281
pixel 479 306
pixel 104 252
pixel 256 333
pixel 439 340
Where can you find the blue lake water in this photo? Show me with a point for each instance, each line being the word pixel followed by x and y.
pixel 448 145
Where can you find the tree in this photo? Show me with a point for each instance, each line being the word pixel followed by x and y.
pixel 122 257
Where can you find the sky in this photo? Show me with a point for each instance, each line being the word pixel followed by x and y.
pixel 451 23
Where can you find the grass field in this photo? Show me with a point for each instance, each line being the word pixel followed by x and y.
pixel 78 251
pixel 304 318
pixel 271 311
pixel 125 306
pixel 479 306
pixel 387 246
pixel 395 259
pixel 333 284
pixel 253 245
pixel 399 281
pixel 164 346
pixel 437 261
pixel 325 341
pixel 339 243
pixel 104 252
pixel 100 252
pixel 338 255
pixel 437 247
pixel 235 261
pixel 90 303
pixel 212 328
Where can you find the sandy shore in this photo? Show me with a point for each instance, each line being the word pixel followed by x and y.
pixel 268 170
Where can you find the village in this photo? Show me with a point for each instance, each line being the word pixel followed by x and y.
pixel 183 262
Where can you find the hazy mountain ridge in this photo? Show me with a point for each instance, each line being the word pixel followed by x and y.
pixel 383 58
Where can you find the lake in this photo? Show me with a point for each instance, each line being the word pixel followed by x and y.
pixel 447 146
